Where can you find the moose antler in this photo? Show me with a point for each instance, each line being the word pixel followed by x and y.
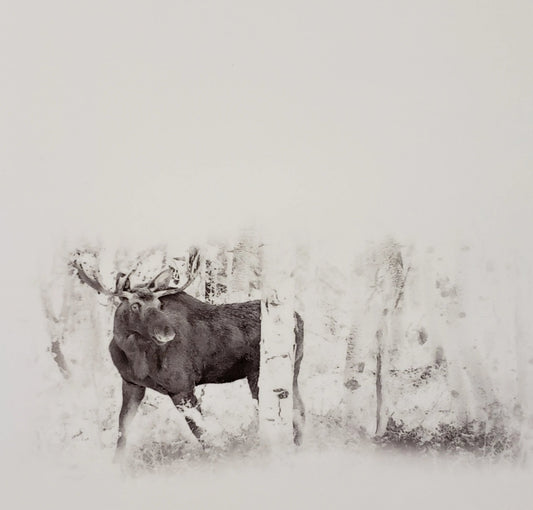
pixel 122 281
pixel 96 285
pixel 194 266
pixel 162 280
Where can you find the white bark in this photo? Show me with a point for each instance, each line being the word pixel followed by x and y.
pixel 480 330
pixel 216 271
pixel 359 368
pixel 524 348
pixel 243 278
pixel 389 275
pixel 277 350
pixel 197 287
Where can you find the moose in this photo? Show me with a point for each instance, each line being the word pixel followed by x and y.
pixel 167 340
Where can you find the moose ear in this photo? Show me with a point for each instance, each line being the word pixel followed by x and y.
pixel 119 280
pixel 127 286
pixel 122 283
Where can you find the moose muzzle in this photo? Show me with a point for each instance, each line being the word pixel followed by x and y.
pixel 163 335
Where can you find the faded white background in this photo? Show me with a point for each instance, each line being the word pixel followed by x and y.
pixel 335 121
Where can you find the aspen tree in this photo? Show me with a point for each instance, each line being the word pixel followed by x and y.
pixel 389 281
pixel 523 412
pixel 359 375
pixel 277 348
pixel 245 268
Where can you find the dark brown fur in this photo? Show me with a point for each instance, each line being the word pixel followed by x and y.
pixel 212 344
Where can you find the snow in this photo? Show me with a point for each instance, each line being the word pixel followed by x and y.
pixel 307 480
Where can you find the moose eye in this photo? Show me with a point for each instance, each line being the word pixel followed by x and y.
pixel 135 307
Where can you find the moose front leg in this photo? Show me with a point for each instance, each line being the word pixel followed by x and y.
pixel 132 396
pixel 191 410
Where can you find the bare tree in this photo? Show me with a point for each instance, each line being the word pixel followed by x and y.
pixel 56 322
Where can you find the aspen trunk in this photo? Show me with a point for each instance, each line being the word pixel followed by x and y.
pixel 389 281
pixel 277 351
pixel 56 322
pixel 359 375
pixel 243 278
pixel 197 287
pixel 524 350
pixel 216 274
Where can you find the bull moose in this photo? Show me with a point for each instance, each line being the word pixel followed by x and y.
pixel 166 340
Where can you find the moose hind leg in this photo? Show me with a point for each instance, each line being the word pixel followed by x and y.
pixel 253 384
pixel 132 396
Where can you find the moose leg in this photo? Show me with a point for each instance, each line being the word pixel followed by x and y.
pixel 132 396
pixel 189 407
pixel 253 383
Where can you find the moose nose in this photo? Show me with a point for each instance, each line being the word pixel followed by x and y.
pixel 165 335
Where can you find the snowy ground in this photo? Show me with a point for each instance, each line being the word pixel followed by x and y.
pixel 307 480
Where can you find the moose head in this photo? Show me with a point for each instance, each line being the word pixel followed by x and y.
pixel 141 310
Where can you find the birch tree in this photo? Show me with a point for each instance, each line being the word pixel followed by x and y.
pixel 216 273
pixel 390 282
pixel 277 349
pixel 56 300
pixel 375 335
pixel 523 412
pixel 359 374
pixel 244 268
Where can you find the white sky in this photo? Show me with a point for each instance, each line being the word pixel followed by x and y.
pixel 146 118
